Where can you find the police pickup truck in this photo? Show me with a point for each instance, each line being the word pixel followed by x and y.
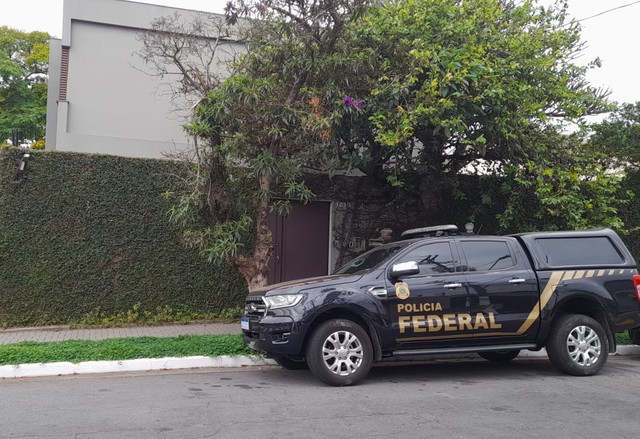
pixel 495 295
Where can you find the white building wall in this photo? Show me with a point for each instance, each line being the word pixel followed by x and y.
pixel 113 105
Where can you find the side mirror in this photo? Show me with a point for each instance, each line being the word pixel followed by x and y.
pixel 405 269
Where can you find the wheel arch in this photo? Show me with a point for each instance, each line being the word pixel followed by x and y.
pixel 588 306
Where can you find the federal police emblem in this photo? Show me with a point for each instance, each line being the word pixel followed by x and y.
pixel 402 290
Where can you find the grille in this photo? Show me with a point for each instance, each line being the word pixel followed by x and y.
pixel 255 307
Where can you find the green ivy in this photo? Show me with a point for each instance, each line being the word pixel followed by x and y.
pixel 85 234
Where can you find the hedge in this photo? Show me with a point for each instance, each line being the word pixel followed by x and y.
pixel 90 233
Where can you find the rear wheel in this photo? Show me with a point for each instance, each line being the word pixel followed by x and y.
pixel 500 356
pixel 339 352
pixel 290 363
pixel 578 345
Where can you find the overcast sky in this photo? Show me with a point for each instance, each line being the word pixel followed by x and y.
pixel 613 36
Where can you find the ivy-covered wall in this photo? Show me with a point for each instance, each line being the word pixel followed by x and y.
pixel 85 233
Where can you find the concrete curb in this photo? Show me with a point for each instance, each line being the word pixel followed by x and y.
pixel 140 365
pixel 198 362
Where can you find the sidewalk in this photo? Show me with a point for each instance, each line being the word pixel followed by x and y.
pixel 60 333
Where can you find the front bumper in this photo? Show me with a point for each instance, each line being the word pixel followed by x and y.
pixel 274 336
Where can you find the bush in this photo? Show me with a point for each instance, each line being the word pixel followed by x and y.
pixel 90 232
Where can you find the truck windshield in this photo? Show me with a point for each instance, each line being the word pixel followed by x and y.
pixel 368 260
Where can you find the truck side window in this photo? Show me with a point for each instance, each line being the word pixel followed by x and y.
pixel 432 258
pixel 596 250
pixel 487 255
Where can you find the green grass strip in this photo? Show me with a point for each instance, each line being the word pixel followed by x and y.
pixel 76 351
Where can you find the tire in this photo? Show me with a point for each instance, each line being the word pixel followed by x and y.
pixel 291 363
pixel 578 345
pixel 339 352
pixel 500 356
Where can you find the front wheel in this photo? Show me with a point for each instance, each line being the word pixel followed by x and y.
pixel 578 345
pixel 339 352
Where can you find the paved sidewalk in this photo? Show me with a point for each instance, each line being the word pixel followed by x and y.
pixel 60 333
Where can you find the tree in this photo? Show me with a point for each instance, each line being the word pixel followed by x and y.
pixel 568 189
pixel 617 138
pixel 487 87
pixel 260 128
pixel 411 92
pixel 24 67
pixel 452 83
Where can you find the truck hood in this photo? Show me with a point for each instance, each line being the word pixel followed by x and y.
pixel 296 286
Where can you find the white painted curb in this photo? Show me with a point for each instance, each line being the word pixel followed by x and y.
pixel 145 364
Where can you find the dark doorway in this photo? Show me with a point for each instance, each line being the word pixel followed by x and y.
pixel 301 242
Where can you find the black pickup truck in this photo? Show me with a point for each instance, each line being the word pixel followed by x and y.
pixel 495 295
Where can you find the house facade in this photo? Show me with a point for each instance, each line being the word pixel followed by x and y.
pixel 102 96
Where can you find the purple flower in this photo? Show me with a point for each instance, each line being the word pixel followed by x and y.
pixel 229 5
pixel 348 100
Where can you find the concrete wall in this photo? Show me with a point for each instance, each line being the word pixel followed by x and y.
pixel 113 105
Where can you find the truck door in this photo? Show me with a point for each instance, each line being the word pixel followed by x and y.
pixel 425 305
pixel 503 290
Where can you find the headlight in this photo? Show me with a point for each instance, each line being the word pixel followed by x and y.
pixel 275 302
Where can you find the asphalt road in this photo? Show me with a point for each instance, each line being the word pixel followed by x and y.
pixel 442 399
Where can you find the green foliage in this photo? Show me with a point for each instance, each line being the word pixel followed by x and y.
pixel 272 116
pixel 76 351
pixel 450 83
pixel 89 234
pixel 157 316
pixel 413 93
pixel 622 338
pixel 617 143
pixel 24 67
pixel 569 189
pixel 578 197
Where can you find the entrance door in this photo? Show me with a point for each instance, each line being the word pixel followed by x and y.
pixel 301 242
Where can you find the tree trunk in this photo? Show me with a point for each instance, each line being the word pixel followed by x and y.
pixel 255 268
pixel 218 193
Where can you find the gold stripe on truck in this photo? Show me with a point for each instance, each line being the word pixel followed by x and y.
pixel 548 291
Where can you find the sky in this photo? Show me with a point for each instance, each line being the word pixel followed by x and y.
pixel 612 37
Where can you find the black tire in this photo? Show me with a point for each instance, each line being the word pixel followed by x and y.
pixel 500 356
pixel 290 363
pixel 578 345
pixel 339 352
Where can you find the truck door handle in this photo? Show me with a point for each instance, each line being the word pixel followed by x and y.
pixel 452 285
pixel 379 292
pixel 516 281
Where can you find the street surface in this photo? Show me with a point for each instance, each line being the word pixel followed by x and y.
pixel 440 399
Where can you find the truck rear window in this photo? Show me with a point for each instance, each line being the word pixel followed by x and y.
pixel 595 250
